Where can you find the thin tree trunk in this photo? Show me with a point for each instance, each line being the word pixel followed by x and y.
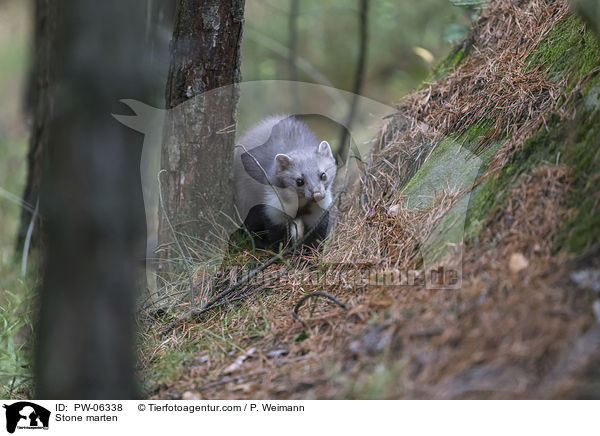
pixel 40 108
pixel 92 204
pixel 293 54
pixel 197 153
pixel 361 65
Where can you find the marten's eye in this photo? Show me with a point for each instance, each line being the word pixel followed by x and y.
pixel 300 181
pixel 323 176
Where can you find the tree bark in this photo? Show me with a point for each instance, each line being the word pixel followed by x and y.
pixel 40 109
pixel 91 201
pixel 197 153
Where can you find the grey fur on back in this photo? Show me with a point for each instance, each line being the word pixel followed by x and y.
pixel 276 134
pixel 256 178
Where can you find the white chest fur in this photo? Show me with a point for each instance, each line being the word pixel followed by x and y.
pixel 284 206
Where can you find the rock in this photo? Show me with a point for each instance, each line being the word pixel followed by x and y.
pixel 188 395
pixel 587 279
pixel 517 263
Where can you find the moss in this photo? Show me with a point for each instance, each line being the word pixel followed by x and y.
pixel 581 151
pixel 446 65
pixel 573 143
pixel 492 192
pixel 569 47
pixel 569 50
pixel 451 165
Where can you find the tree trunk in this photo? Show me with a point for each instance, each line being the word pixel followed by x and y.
pixel 197 154
pixel 361 65
pixel 91 202
pixel 40 109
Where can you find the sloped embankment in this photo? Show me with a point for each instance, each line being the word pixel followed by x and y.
pixel 492 167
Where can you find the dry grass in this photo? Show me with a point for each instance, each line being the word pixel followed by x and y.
pixel 493 86
pixel 388 236
pixel 500 336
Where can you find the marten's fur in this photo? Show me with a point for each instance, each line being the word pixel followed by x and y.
pixel 283 177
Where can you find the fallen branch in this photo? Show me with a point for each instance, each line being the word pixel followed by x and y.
pixel 315 294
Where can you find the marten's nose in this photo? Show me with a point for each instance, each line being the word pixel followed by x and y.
pixel 317 196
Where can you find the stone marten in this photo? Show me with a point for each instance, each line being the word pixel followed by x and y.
pixel 283 180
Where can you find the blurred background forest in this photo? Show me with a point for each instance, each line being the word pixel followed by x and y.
pixel 405 39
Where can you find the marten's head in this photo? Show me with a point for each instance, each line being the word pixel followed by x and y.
pixel 309 173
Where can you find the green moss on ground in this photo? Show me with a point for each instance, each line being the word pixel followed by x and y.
pixel 581 150
pixel 452 164
pixel 446 66
pixel 575 143
pixel 570 50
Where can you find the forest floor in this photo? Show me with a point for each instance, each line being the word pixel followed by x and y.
pixel 521 326
pixel 521 94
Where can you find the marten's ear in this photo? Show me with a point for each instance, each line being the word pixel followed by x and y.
pixel 325 149
pixel 282 162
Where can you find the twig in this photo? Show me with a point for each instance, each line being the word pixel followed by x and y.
pixel 347 162
pixel 315 294
pixel 345 184
pixel 15 199
pixel 12 386
pixel 155 302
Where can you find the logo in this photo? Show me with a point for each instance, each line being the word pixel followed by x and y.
pixel 26 415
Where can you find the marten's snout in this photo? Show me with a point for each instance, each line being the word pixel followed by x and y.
pixel 318 196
